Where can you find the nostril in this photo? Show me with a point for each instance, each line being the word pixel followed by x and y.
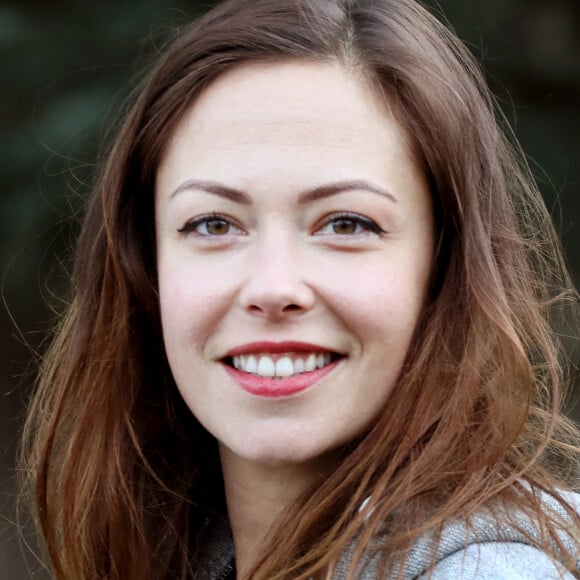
pixel 291 307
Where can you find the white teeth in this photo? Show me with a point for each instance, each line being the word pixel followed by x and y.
pixel 251 364
pixel 298 365
pixel 310 363
pixel 266 367
pixel 284 367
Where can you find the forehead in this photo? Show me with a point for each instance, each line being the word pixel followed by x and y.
pixel 291 103
pixel 286 125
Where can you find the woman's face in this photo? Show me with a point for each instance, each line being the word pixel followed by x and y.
pixel 295 238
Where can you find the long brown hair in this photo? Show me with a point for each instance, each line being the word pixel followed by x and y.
pixel 123 476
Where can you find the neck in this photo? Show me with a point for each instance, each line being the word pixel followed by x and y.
pixel 256 495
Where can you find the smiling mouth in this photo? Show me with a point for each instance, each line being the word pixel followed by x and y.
pixel 281 365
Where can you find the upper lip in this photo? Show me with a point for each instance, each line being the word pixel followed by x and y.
pixel 265 347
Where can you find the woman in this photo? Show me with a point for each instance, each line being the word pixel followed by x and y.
pixel 309 334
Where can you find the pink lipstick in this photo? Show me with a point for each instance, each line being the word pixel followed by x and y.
pixel 276 347
pixel 269 387
pixel 279 355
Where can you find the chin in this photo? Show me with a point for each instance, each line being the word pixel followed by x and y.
pixel 272 452
pixel 279 455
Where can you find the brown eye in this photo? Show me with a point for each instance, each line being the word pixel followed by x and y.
pixel 210 226
pixel 344 226
pixel 215 227
pixel 349 224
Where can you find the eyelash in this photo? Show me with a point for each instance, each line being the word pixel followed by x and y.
pixel 191 225
pixel 365 223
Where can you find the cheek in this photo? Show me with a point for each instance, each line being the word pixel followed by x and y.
pixel 187 306
pixel 188 284
pixel 380 299
pixel 381 309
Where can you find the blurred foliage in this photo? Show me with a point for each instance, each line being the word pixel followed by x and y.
pixel 67 67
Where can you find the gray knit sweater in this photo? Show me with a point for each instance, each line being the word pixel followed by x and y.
pixel 491 549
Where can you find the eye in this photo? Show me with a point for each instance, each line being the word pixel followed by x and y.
pixel 210 225
pixel 348 224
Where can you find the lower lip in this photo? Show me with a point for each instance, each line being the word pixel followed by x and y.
pixel 273 388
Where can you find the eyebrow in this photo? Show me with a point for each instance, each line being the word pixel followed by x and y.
pixel 343 186
pixel 215 188
pixel 307 196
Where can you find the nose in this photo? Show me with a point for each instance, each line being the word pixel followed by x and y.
pixel 275 285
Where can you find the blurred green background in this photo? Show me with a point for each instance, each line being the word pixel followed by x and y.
pixel 66 68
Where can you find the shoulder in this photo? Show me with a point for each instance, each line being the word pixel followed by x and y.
pixel 496 561
pixel 494 545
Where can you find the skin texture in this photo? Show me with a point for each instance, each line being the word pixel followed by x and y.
pixel 279 268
